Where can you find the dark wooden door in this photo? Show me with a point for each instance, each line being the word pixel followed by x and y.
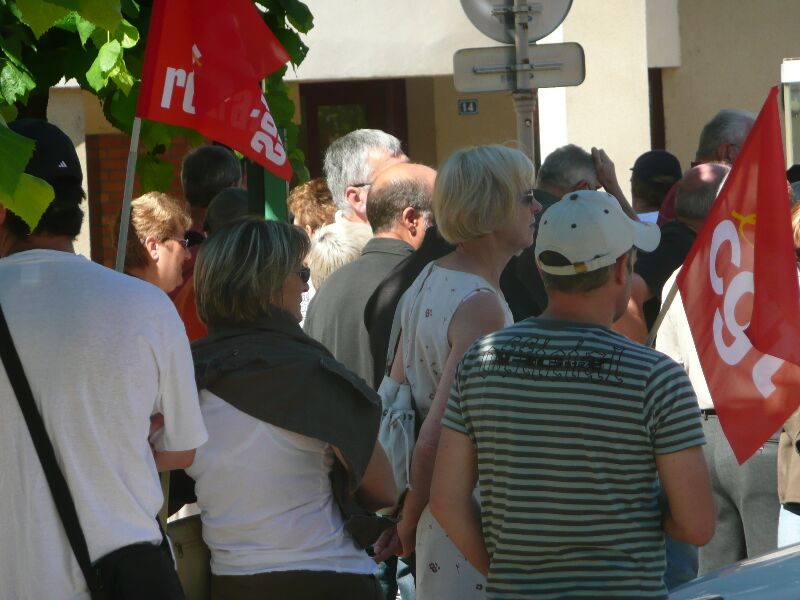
pixel 330 110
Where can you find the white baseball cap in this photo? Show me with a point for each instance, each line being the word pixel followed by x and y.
pixel 591 231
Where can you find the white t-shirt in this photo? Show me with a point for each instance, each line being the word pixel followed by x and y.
pixel 102 352
pixel 675 340
pixel 266 500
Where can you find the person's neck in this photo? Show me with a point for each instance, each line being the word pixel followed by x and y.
pixel 198 216
pixel 398 234
pixel 594 309
pixel 694 224
pixel 60 243
pixel 485 257
pixel 148 274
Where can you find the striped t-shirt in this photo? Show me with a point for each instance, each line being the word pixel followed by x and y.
pixel 566 419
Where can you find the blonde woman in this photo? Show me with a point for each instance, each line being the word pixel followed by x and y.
pixel 157 246
pixel 483 204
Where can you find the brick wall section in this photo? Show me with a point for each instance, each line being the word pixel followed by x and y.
pixel 106 160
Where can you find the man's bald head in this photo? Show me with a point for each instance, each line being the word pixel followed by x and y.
pixel 397 188
pixel 697 191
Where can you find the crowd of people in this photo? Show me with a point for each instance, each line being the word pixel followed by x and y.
pixel 555 455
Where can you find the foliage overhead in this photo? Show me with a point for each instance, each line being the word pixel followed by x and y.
pixel 100 44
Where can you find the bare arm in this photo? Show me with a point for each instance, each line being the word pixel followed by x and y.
pixel 168 460
pixel 691 515
pixel 607 177
pixel 477 316
pixel 171 460
pixel 377 489
pixel 454 478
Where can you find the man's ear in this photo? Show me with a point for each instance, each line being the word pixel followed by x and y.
pixel 353 197
pixel 411 220
pixel 151 246
pixel 621 270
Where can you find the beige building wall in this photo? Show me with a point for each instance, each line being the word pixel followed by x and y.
pixel 495 122
pixel 731 56
pixel 611 108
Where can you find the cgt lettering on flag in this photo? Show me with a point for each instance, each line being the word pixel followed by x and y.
pixel 733 287
pixel 192 78
pixel 739 287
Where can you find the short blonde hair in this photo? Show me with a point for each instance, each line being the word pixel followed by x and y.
pixel 335 245
pixel 477 191
pixel 241 269
pixel 154 215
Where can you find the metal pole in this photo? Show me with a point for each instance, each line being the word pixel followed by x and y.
pixel 524 101
pixel 127 194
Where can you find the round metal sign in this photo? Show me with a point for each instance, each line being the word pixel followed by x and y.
pixel 495 18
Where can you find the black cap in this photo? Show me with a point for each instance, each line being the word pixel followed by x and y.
pixel 54 158
pixel 657 166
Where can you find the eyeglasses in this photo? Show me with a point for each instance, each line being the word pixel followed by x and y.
pixel 362 184
pixel 305 274
pixel 182 241
pixel 528 197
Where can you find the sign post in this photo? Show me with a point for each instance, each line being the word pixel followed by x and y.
pixel 524 101
pixel 523 68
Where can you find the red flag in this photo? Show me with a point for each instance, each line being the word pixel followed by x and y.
pixel 753 390
pixel 203 64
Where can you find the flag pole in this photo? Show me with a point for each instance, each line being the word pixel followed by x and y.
pixel 651 337
pixel 127 194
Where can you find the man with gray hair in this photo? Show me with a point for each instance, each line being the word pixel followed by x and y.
pixel 399 211
pixel 745 495
pixel 566 169
pixel 720 141
pixel 351 164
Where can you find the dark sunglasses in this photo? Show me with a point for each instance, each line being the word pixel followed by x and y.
pixel 183 242
pixel 305 274
pixel 528 197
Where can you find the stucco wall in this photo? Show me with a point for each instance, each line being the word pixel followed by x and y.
pixel 731 56
pixel 611 108
pixel 385 38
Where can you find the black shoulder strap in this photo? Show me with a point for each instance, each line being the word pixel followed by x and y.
pixel 47 457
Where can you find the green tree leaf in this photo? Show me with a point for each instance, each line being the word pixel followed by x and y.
pixel 84 27
pixel 8 112
pixel 120 109
pixel 120 76
pixel 28 197
pixel 154 175
pixel 105 13
pixel 106 60
pixel 298 14
pixel 127 34
pixel 15 84
pixel 15 152
pixel 29 200
pixel 40 15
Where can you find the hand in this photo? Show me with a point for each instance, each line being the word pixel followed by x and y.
pixel 606 172
pixel 388 544
pixel 407 532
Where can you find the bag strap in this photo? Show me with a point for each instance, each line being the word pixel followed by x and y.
pixel 47 457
